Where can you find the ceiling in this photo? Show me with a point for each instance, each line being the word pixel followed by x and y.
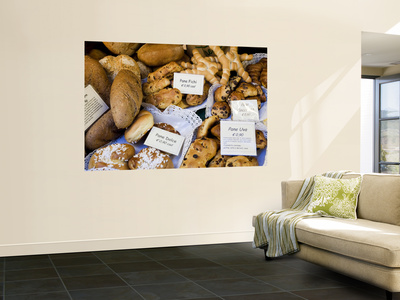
pixel 380 50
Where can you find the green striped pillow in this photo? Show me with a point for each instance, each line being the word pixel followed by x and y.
pixel 335 197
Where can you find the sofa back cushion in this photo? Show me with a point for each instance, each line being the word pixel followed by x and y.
pixel 379 198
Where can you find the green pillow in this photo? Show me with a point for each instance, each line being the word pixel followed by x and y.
pixel 335 197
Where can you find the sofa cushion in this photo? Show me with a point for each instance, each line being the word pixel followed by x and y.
pixel 335 197
pixel 362 239
pixel 379 198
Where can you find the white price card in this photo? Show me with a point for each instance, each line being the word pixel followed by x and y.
pixel 245 110
pixel 189 83
pixel 95 107
pixel 165 141
pixel 238 138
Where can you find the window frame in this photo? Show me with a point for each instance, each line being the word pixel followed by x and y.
pixel 378 119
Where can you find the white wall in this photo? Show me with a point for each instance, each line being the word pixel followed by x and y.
pixel 49 204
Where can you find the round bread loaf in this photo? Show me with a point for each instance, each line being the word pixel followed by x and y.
pixel 101 132
pixel 113 65
pixel 155 55
pixel 150 158
pixel 140 126
pixel 122 48
pixel 125 98
pixel 114 156
pixel 96 76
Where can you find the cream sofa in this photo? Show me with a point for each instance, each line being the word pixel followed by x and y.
pixel 368 248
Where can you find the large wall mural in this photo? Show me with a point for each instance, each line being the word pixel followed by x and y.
pixel 164 106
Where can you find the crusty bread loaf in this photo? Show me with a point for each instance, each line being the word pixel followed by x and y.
pixel 122 48
pixel 200 152
pixel 143 122
pixel 125 98
pixel 96 76
pixel 155 55
pixel 164 98
pixel 114 64
pixel 150 158
pixel 114 156
pixel 102 132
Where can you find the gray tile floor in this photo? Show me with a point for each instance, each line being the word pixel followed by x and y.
pixel 208 272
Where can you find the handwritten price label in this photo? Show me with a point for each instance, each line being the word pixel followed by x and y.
pixel 165 141
pixel 189 83
pixel 238 138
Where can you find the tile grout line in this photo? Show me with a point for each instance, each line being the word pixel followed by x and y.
pixel 131 287
pixel 182 275
pixel 59 276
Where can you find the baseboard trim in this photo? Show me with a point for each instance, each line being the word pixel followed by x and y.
pixel 124 243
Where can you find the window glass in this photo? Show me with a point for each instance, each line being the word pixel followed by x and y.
pixel 390 99
pixel 389 133
pixel 389 169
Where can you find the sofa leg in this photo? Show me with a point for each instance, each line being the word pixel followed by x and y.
pixel 389 295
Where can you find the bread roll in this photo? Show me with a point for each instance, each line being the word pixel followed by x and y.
pixel 194 100
pixel 140 126
pixel 155 55
pixel 122 48
pixel 241 161
pixel 167 71
pixel 200 152
pixel 96 76
pixel 236 95
pixel 234 82
pixel 218 161
pixel 113 65
pixel 125 98
pixel 216 131
pixel 222 93
pixel 247 89
pixel 155 86
pixel 221 109
pixel 261 141
pixel 102 132
pixel 114 156
pixel 206 125
pixel 164 98
pixel 150 158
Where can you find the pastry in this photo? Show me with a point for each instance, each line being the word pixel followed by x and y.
pixel 216 131
pixel 150 158
pixel 125 98
pixel 218 161
pixel 221 109
pixel 261 141
pixel 235 95
pixel 155 86
pixel 164 98
pixel 113 65
pixel 114 156
pixel 200 152
pixel 241 161
pixel 194 100
pixel 222 93
pixel 143 122
pixel 167 71
pixel 206 125
pixel 247 89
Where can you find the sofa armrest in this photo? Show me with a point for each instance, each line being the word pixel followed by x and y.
pixel 290 191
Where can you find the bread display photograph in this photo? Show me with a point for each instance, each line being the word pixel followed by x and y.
pixel 174 106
